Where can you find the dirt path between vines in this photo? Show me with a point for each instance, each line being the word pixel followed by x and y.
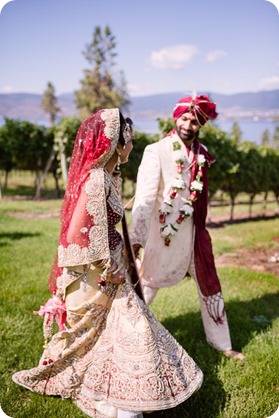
pixel 257 259
pixel 254 259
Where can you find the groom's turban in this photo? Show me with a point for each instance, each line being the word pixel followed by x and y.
pixel 200 107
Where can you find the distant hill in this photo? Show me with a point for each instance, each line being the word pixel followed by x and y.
pixel 263 105
pixel 27 106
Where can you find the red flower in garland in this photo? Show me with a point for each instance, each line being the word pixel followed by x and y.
pixel 193 196
pixel 180 219
pixel 167 241
pixel 173 194
pixel 179 168
pixel 162 218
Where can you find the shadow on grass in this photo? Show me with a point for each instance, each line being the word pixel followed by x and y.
pixel 29 192
pixel 7 237
pixel 246 319
pixel 20 190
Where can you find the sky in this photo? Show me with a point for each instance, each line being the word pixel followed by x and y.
pixel 221 46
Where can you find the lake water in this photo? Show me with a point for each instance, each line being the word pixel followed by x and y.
pixel 251 130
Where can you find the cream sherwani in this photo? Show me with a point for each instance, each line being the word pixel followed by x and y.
pixel 161 265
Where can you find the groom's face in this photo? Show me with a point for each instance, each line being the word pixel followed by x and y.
pixel 187 127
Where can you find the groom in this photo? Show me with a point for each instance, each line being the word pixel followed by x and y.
pixel 169 216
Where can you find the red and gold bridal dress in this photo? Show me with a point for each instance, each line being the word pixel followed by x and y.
pixel 113 353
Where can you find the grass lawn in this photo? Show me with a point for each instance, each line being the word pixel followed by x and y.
pixel 231 389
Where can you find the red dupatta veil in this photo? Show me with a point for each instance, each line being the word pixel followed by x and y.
pixel 83 228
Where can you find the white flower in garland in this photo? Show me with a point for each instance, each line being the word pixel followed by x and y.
pixel 201 160
pixel 196 185
pixel 178 183
pixel 168 230
pixel 186 210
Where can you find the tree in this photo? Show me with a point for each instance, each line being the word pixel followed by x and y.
pixel 265 137
pixel 275 138
pixel 224 173
pixel 251 171
pixel 6 156
pixel 219 146
pixel 49 103
pixel 273 160
pixel 267 172
pixel 64 138
pixel 236 133
pixel 28 146
pixel 130 170
pixel 99 89
pixel 165 125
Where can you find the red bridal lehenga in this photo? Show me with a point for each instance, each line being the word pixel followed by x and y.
pixel 112 353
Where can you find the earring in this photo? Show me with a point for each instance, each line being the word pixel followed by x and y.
pixel 118 162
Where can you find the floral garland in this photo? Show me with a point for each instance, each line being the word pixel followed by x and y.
pixel 186 210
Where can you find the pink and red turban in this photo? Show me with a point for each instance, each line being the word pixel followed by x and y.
pixel 200 107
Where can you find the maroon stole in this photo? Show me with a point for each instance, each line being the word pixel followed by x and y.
pixel 204 260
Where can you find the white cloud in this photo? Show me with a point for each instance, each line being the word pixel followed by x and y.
pixel 270 82
pixel 3 3
pixel 174 57
pixel 7 89
pixel 215 55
